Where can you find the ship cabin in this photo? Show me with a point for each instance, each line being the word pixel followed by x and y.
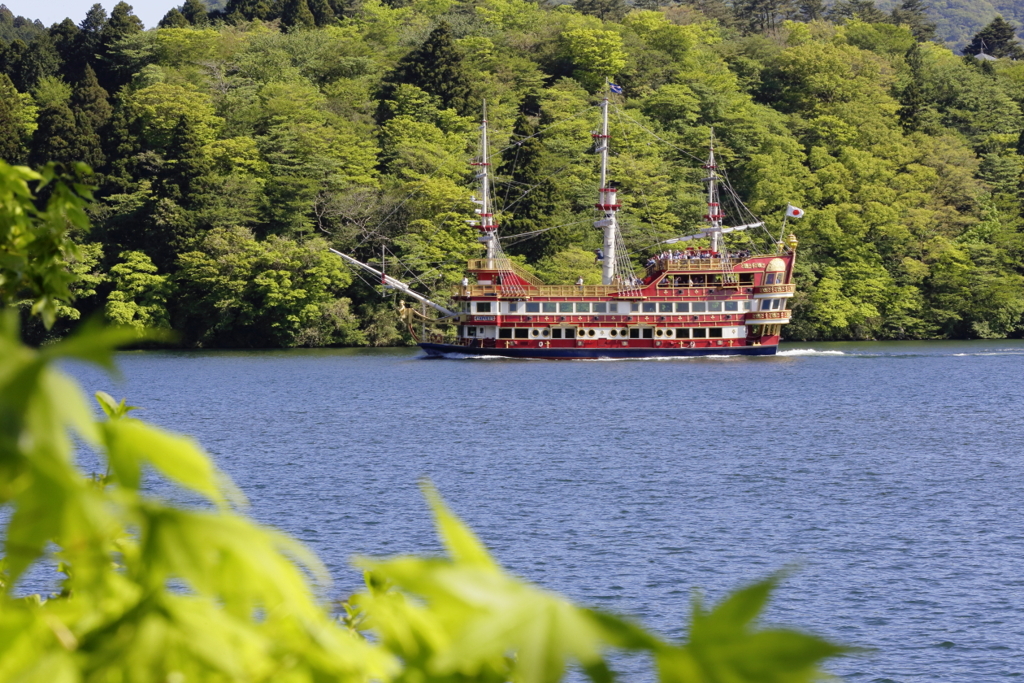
pixel 687 299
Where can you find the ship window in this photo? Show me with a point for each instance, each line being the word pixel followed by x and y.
pixel 600 308
pixel 613 308
pixel 504 333
pixel 665 307
pixel 698 307
pixel 682 307
pixel 522 333
pixel 766 304
pixel 533 307
pixel 699 333
pixel 769 279
pixel 634 307
pixel 776 304
pixel 715 332
pixel 565 307
pixel 570 333
pixel 556 333
pixel 732 305
pixel 483 307
pixel 634 333
pixel 582 307
pixel 682 332
pixel 648 332
pixel 715 306
pixel 466 307
pixel 550 307
pixel 746 278
pixel 470 331
pixel 513 307
pixel 649 307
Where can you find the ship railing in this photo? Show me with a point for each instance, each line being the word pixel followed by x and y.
pixel 549 291
pixel 506 264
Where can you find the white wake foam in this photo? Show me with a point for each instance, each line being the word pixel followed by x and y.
pixel 809 352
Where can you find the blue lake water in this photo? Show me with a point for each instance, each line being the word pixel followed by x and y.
pixel 890 478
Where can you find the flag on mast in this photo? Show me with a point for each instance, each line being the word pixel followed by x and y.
pixel 617 89
pixel 794 212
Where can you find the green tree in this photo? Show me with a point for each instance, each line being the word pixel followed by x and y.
pixel 238 291
pixel 913 13
pixel 112 68
pixel 56 138
pixel 436 68
pixel 296 15
pixel 91 106
pixel 174 19
pixel 609 10
pixel 12 134
pixel 998 38
pixel 139 298
pixel 811 10
pixel 195 13
pixel 323 13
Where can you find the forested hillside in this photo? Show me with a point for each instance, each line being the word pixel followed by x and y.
pixel 232 147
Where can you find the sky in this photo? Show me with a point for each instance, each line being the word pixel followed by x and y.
pixel 54 11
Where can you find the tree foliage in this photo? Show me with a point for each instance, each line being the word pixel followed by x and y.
pixel 355 123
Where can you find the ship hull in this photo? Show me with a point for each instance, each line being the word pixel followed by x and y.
pixel 583 353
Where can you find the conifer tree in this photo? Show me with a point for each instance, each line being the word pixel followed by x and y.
pixel 38 60
pixel 110 67
pixel 195 13
pixel 174 19
pixel 90 28
pixel 56 137
pixel 323 14
pixel 65 40
pixel 998 39
pixel 811 10
pixel 296 16
pixel 609 10
pixel 12 147
pixel 912 97
pixel 436 68
pixel 91 106
pixel 912 13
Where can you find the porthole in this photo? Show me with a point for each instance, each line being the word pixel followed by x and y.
pixel 660 333
pixel 545 333
pixel 613 333
pixel 668 333
pixel 534 333
pixel 591 333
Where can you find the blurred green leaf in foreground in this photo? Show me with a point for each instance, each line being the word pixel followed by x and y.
pixel 155 592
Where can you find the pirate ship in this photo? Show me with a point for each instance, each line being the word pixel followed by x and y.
pixel 689 300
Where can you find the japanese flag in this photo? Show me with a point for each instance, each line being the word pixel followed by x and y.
pixel 794 212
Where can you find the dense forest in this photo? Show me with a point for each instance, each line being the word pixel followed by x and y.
pixel 232 146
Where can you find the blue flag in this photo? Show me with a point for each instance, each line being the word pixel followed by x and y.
pixel 617 89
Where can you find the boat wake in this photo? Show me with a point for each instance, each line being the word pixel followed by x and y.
pixel 809 352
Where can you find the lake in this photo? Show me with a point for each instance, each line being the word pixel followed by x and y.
pixel 888 477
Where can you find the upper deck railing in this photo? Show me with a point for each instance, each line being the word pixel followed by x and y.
pixel 549 291
pixel 500 264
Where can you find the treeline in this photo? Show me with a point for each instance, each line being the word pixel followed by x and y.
pixel 231 147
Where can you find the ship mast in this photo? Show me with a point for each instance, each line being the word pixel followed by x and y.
pixel 606 201
pixel 714 215
pixel 486 225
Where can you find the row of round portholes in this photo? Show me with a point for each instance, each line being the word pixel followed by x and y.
pixel 613 333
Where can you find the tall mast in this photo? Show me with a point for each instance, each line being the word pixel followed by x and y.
pixel 606 201
pixel 487 226
pixel 714 215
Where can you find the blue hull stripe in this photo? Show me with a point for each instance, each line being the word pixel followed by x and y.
pixel 442 350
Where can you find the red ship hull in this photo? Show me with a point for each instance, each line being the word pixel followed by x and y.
pixel 594 352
